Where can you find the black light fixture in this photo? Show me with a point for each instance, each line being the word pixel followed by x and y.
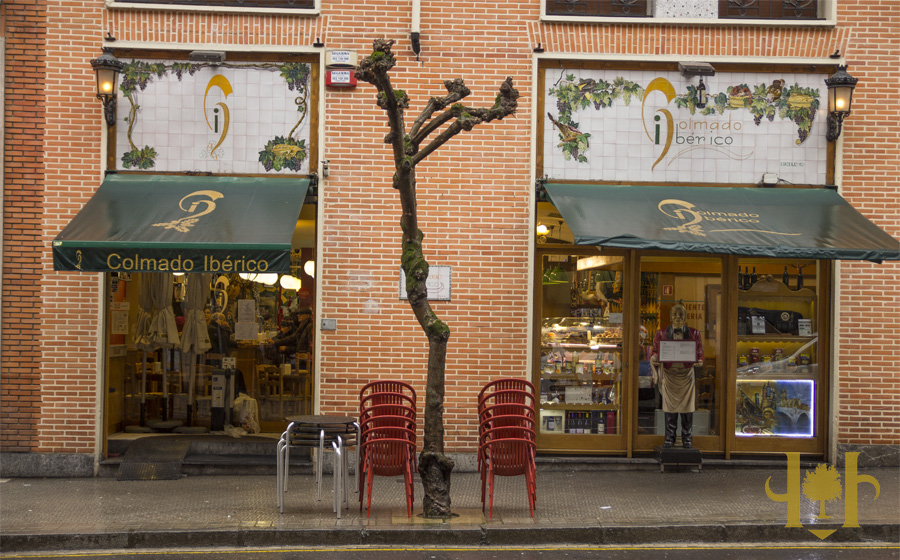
pixel 840 96
pixel 107 68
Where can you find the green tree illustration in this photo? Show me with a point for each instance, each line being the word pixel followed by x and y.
pixel 823 485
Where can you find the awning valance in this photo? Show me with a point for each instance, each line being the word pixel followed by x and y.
pixel 177 223
pixel 764 222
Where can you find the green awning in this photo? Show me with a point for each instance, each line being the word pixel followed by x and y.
pixel 178 223
pixel 763 222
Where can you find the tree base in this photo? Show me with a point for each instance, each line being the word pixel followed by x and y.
pixel 435 468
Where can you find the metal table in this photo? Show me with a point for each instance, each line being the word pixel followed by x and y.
pixel 315 431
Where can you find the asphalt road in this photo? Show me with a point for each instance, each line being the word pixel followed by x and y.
pixel 752 551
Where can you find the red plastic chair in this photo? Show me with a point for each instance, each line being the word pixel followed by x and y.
pixel 509 451
pixel 388 451
pixel 385 416
pixel 520 401
pixel 386 398
pixel 505 383
pixel 388 386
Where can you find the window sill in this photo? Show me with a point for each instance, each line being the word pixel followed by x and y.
pixel 721 22
pixel 114 5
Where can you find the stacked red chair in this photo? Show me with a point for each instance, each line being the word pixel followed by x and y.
pixel 387 419
pixel 507 439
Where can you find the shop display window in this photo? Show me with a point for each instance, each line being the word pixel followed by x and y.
pixel 581 345
pixel 777 348
pixel 259 327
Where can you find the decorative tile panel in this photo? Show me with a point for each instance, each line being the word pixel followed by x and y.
pixel 649 126
pixel 228 118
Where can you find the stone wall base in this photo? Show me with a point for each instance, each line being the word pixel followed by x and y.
pixel 870 455
pixel 46 465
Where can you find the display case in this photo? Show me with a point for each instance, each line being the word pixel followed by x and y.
pixel 777 367
pixel 581 369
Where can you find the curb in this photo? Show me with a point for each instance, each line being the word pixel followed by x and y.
pixel 444 535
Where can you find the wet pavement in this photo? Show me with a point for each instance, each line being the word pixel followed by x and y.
pixel 589 507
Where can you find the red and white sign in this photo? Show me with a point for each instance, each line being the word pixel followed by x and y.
pixel 340 78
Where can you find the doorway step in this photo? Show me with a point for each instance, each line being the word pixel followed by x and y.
pixel 171 456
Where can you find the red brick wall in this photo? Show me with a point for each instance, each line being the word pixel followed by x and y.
pixel 24 25
pixel 474 197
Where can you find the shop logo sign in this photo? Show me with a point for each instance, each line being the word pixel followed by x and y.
pixel 692 216
pixel 823 485
pixel 219 82
pixel 203 204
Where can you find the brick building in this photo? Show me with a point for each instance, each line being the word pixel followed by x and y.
pixel 68 363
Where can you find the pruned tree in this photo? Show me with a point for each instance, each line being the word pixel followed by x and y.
pixel 440 120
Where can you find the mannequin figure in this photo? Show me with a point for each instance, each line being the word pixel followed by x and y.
pixel 676 379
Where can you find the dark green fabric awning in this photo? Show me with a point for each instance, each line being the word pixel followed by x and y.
pixel 765 222
pixel 177 223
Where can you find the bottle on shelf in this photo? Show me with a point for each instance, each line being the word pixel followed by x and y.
pixel 753 277
pixel 746 278
pixel 785 278
pixel 799 277
pixel 740 278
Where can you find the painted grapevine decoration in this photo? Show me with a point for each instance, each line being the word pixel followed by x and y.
pixel 285 152
pixel 572 96
pixel 135 77
pixel 795 103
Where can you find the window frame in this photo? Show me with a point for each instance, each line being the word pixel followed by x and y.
pixel 167 7
pixel 827 9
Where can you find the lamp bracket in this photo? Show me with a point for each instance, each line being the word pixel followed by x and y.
pixel 834 123
pixel 689 69
pixel 211 57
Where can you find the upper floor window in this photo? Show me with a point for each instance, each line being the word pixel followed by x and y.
pixel 797 10
pixel 305 5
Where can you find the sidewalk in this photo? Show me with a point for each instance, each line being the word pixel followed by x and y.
pixel 576 507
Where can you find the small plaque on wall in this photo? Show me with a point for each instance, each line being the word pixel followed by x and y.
pixel 438 283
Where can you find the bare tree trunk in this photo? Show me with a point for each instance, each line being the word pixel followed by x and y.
pixel 434 466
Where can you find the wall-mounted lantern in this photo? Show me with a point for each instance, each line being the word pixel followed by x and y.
pixel 840 96
pixel 107 68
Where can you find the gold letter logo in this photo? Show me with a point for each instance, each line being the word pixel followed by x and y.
pixel 205 204
pixel 221 82
pixel 665 87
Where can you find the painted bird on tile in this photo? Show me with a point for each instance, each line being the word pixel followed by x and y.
pixel 568 132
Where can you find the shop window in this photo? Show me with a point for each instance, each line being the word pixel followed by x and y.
pixel 581 360
pixel 261 327
pixel 680 370
pixel 777 348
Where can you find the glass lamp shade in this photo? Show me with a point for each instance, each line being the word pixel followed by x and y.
pixel 268 278
pixel 107 68
pixel 289 282
pixel 840 91
pixel 309 267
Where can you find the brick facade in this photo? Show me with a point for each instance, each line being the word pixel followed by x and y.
pixel 474 194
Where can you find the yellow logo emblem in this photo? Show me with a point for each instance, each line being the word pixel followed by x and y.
pixel 823 485
pixel 201 203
